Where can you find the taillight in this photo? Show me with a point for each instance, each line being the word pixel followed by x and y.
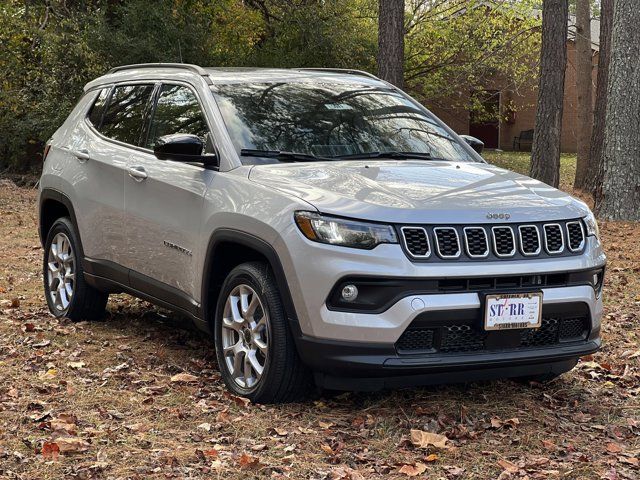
pixel 47 147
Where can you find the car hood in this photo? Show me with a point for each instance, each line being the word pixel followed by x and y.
pixel 419 191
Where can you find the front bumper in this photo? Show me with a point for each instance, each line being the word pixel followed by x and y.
pixel 357 368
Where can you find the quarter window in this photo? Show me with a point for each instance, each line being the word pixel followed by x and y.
pixel 177 111
pixel 95 114
pixel 124 117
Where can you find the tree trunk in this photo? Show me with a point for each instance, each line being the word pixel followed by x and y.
pixel 545 153
pixel 391 41
pixel 596 164
pixel 621 189
pixel 584 86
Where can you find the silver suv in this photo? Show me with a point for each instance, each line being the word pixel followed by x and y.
pixel 321 225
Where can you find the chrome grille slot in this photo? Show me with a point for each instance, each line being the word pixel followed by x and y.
pixel 529 240
pixel 504 243
pixel 447 242
pixel 416 241
pixel 476 243
pixel 553 238
pixel 575 236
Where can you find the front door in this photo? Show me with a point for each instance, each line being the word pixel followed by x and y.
pixel 485 123
pixel 163 204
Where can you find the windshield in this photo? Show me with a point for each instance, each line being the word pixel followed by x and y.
pixel 331 120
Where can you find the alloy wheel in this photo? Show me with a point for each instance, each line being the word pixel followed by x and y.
pixel 61 273
pixel 245 336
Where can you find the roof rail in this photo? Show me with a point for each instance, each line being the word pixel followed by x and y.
pixel 184 66
pixel 348 71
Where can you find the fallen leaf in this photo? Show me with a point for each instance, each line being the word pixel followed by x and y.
pixel 327 449
pixel 248 462
pixel 205 426
pixel 72 444
pixel 423 439
pixel 413 470
pixel 508 466
pixel 50 450
pixel 613 448
pixel 184 378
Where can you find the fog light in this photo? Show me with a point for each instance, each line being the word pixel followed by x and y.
pixel 349 293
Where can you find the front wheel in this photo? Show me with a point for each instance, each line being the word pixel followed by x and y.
pixel 256 353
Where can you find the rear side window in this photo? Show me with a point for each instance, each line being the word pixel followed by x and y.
pixel 177 111
pixel 123 119
pixel 95 114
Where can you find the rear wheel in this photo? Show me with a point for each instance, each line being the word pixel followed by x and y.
pixel 256 353
pixel 67 293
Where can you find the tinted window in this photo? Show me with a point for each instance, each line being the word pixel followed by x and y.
pixel 95 114
pixel 124 118
pixel 177 111
pixel 331 119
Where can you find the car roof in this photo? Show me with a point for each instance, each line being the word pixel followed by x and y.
pixel 226 75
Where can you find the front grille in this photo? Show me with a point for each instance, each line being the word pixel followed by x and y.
pixel 493 242
pixel 476 242
pixel 468 337
pixel 553 238
pixel 417 241
pixel 529 240
pixel 575 236
pixel 447 242
pixel 420 340
pixel 461 338
pixel 503 241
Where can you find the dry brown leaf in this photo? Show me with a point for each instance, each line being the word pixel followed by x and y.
pixel 613 448
pixel 422 439
pixel 508 466
pixel 50 450
pixel 248 462
pixel 184 378
pixel 72 444
pixel 413 470
pixel 327 449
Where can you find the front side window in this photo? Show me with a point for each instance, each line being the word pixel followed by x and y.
pixel 95 114
pixel 177 111
pixel 124 117
pixel 321 119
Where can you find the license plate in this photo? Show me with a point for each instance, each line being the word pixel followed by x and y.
pixel 513 310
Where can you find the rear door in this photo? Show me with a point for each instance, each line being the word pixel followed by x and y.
pixel 116 121
pixel 163 202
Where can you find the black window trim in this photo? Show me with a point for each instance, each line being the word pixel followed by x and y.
pixel 156 96
pixel 138 148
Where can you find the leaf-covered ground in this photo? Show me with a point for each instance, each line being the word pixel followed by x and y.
pixel 137 396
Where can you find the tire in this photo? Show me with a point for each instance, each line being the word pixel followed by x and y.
pixel 62 262
pixel 259 337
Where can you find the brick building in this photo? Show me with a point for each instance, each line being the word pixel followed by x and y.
pixel 501 133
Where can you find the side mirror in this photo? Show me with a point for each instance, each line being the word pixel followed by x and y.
pixel 182 147
pixel 477 145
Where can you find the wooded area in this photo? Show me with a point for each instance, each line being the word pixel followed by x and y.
pixel 443 51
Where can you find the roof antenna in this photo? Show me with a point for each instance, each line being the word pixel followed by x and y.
pixel 180 51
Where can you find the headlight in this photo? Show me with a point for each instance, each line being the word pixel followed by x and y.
pixel 340 231
pixel 592 225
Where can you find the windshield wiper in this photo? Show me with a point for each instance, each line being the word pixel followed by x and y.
pixel 392 155
pixel 282 155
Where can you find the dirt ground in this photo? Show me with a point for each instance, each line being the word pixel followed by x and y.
pixel 102 400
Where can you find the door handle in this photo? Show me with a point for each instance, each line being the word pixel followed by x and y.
pixel 137 172
pixel 82 154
